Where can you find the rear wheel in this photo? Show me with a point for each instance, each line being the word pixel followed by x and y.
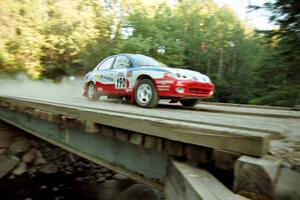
pixel 146 94
pixel 92 92
pixel 189 102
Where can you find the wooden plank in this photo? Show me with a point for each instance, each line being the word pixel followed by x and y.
pixel 242 141
pixel 247 142
pixel 62 110
pixel 198 153
pixel 250 123
pixel 121 134
pixel 152 142
pixel 91 127
pixel 173 148
pixel 107 131
pixel 136 138
pixel 225 160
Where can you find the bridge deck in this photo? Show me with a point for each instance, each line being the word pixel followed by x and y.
pixel 229 129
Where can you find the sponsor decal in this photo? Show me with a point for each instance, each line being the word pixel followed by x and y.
pixel 163 87
pixel 164 82
pixel 106 78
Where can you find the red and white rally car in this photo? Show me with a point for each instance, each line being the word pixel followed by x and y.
pixel 145 80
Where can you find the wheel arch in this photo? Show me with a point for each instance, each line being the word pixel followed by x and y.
pixel 143 76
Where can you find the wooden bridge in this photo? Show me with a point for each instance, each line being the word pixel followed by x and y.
pixel 146 144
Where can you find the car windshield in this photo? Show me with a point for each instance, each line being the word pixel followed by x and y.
pixel 141 60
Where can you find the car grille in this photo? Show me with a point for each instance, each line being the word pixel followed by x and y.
pixel 198 91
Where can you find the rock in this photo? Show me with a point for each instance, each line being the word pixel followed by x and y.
pixel 99 175
pixel 108 176
pixel 70 158
pixel 100 180
pixel 94 171
pixel 20 169
pixel 68 172
pixel 34 143
pixel 19 146
pixel 7 163
pixel 12 177
pixel 79 179
pixel 2 151
pixel 47 149
pixel 89 189
pixel 52 155
pixel 32 170
pixel 103 170
pixel 255 176
pixel 69 168
pixel 55 189
pixel 85 165
pixel 49 169
pixel 119 177
pixel 32 175
pixel 79 169
pixel 43 187
pixel 30 156
pixel 88 178
pixel 287 186
pixel 138 192
pixel 65 164
pixel 39 159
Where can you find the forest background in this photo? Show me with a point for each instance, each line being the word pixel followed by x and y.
pixel 55 38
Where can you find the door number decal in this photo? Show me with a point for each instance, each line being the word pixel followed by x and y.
pixel 120 82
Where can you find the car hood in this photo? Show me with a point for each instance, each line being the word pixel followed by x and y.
pixel 185 74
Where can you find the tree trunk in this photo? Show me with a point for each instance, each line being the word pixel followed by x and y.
pixel 221 62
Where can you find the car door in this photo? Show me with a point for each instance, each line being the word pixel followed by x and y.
pixel 120 69
pixel 104 76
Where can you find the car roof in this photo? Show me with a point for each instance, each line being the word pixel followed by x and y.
pixel 129 54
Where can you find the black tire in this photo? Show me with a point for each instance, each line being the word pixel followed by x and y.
pixel 189 102
pixel 147 102
pixel 95 95
pixel 127 99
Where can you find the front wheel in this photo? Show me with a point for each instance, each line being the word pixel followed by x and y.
pixel 146 94
pixel 189 102
pixel 92 92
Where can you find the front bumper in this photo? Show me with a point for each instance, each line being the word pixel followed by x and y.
pixel 184 88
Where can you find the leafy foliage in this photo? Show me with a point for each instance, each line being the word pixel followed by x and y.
pixel 280 69
pixel 54 38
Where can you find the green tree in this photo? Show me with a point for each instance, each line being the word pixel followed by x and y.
pixel 278 77
pixel 21 39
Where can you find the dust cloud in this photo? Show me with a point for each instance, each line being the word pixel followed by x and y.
pixel 22 86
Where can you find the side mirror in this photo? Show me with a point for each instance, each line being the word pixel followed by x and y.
pixel 129 64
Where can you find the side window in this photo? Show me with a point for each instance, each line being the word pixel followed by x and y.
pixel 106 64
pixel 122 62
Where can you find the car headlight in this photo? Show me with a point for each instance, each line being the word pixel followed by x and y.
pixel 205 79
pixel 208 79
